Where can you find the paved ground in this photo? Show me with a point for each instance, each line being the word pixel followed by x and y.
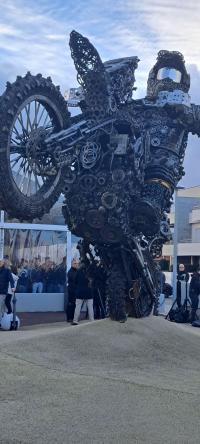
pixel 100 383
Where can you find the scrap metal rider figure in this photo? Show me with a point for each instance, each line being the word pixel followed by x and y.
pixel 117 162
pixel 160 123
pixel 166 116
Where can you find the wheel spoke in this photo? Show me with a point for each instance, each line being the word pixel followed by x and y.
pixel 45 122
pixel 37 107
pixel 16 149
pixel 20 119
pixel 49 129
pixel 15 161
pixel 15 142
pixel 28 122
pixel 42 113
pixel 17 133
pixel 26 167
pixel 19 177
pixel 48 125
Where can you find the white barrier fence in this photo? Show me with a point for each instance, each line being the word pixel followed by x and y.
pixel 39 302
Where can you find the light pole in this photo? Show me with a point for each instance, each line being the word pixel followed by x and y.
pixel 175 241
pixel 175 246
pixel 1 234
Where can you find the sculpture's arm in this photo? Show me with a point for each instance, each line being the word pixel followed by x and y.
pixel 190 118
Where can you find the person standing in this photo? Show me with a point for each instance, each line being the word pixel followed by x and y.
pixel 23 283
pixel 45 268
pixel 8 299
pixel 98 275
pixel 83 294
pixel 5 279
pixel 37 277
pixel 71 289
pixel 61 276
pixel 194 293
pixel 51 279
pixel 182 276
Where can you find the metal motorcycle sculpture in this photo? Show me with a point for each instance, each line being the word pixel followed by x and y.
pixel 117 162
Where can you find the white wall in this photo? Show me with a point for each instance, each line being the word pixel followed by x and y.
pixel 184 249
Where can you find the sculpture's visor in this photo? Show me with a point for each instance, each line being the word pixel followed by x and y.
pixel 170 73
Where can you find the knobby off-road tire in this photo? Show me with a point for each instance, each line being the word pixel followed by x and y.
pixel 140 305
pixel 17 101
pixel 116 293
pixel 119 303
pixel 141 302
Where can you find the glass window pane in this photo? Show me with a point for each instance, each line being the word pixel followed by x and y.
pixel 40 257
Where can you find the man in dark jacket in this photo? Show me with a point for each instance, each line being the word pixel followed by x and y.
pixel 194 293
pixel 83 294
pixel 71 289
pixel 5 279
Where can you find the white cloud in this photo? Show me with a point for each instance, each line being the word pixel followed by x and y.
pixel 34 36
pixel 117 28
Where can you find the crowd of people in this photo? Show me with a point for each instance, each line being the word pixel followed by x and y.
pixel 34 276
pixel 86 285
pixel 41 277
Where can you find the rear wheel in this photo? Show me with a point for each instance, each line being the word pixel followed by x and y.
pixel 116 292
pixel 139 302
pixel 30 182
pixel 142 294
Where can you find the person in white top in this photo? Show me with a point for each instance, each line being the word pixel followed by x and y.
pixel 9 295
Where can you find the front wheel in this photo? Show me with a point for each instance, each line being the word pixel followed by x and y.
pixel 30 182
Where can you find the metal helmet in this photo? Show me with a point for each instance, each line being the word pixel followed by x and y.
pixel 169 73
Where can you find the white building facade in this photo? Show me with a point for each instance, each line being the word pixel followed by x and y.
pixel 188 227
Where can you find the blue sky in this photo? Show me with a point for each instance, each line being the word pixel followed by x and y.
pixel 34 36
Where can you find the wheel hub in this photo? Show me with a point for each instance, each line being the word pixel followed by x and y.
pixel 35 142
pixel 38 159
